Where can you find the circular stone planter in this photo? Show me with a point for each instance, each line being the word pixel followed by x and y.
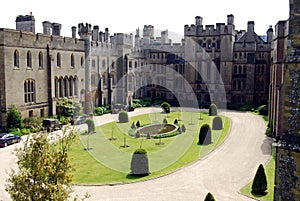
pixel 157 130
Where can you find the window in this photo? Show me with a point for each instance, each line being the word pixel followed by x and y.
pixel 81 61
pixel 70 86
pixel 218 45
pixel 93 63
pixel 29 91
pixel 103 64
pixel 130 64
pixel 16 59
pixel 29 59
pixel 58 60
pixel 235 55
pixel 75 87
pixel 72 61
pixel 235 69
pixel 135 64
pixel 40 60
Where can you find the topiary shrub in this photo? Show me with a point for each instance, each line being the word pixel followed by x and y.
pixel 259 185
pixel 91 125
pixel 213 110
pixel 139 163
pixel 217 123
pixel 175 121
pixel 148 136
pixel 138 124
pixel 179 130
pixel 123 117
pixel 209 197
pixel 204 135
pixel 132 126
pixel 165 121
pixel 137 134
pixel 183 128
pixel 166 107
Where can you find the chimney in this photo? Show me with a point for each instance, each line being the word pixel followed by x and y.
pixel 74 28
pixel 198 20
pixel 250 27
pixel 47 27
pixel 95 34
pixel 56 27
pixel 25 23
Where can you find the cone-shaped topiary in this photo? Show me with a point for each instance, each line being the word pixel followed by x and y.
pixel 213 110
pixel 217 123
pixel 138 124
pixel 259 185
pixel 205 135
pixel 183 128
pixel 209 197
pixel 175 121
pixel 133 126
pixel 166 107
pixel 165 121
pixel 123 117
pixel 139 163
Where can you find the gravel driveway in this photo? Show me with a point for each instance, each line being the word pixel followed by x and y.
pixel 223 172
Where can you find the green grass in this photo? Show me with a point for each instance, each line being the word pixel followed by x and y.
pixel 175 153
pixel 270 171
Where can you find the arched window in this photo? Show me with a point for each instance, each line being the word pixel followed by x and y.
pixel 135 64
pixel 104 79
pixel 65 87
pixel 235 69
pixel 16 58
pixel 29 59
pixel 75 86
pixel 58 60
pixel 244 69
pixel 72 61
pixel 40 60
pixel 60 87
pixel 56 87
pixel 70 80
pixel 29 91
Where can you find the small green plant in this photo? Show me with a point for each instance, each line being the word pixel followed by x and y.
pixel 213 111
pixel 263 110
pixel 175 121
pixel 123 117
pixel 165 121
pixel 133 126
pixel 138 124
pixel 217 123
pixel 183 128
pixel 166 107
pixel 204 135
pixel 137 134
pixel 209 197
pixel 259 185
pixel 91 125
pixel 14 118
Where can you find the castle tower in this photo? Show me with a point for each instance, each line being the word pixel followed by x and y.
pixel 47 27
pixel 198 20
pixel 250 27
pixel 230 19
pixel 85 32
pixel 106 35
pixel 56 27
pixel 164 37
pixel 25 23
pixel 95 35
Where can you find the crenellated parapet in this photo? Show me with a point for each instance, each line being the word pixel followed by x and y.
pixel 84 30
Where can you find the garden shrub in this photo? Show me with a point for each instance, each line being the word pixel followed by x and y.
pixel 166 107
pixel 263 110
pixel 175 121
pixel 183 128
pixel 217 123
pixel 91 125
pixel 137 134
pixel 259 185
pixel 209 197
pixel 148 136
pixel 138 124
pixel 204 135
pixel 14 118
pixel 132 126
pixel 165 121
pixel 139 163
pixel 213 110
pixel 166 135
pixel 15 131
pixel 123 117
pixel 33 123
pixel 179 130
pixel 246 107
pixel 100 111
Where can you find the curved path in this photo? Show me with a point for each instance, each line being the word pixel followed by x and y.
pixel 223 172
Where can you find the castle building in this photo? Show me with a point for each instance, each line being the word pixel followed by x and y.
pixel 212 64
pixel 284 105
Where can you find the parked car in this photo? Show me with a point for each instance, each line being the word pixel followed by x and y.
pixel 8 138
pixel 129 108
pixel 52 124
pixel 78 120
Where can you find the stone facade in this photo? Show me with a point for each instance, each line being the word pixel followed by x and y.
pixel 212 64
pixel 285 106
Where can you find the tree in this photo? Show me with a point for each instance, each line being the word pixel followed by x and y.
pixel 68 108
pixel 14 118
pixel 166 107
pixel 259 185
pixel 44 169
pixel 209 197
pixel 213 111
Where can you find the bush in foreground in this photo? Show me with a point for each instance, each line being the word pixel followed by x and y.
pixel 166 107
pixel 205 135
pixel 91 125
pixel 217 123
pixel 139 163
pixel 213 111
pixel 209 197
pixel 123 117
pixel 259 185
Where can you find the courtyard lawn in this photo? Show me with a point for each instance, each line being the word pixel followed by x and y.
pixel 108 162
pixel 270 171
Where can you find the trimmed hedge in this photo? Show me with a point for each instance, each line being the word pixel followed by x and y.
pixel 91 125
pixel 139 163
pixel 166 135
pixel 165 121
pixel 138 124
pixel 123 117
pixel 204 135
pixel 166 107
pixel 260 185
pixel 217 123
pixel 209 197
pixel 213 110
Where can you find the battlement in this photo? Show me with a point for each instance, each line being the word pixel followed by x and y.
pixel 84 30
pixel 122 39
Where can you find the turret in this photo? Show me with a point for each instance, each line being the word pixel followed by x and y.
pixel 95 34
pixel 74 31
pixel 25 23
pixel 56 27
pixel 250 27
pixel 164 37
pixel 106 36
pixel 47 27
pixel 230 19
pixel 270 34
pixel 198 20
pixel 84 31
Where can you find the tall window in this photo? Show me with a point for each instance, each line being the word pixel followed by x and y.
pixel 75 87
pixel 29 59
pixel 29 91
pixel 103 63
pixel 16 58
pixel 70 86
pixel 41 60
pixel 72 61
pixel 58 60
pixel 81 61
